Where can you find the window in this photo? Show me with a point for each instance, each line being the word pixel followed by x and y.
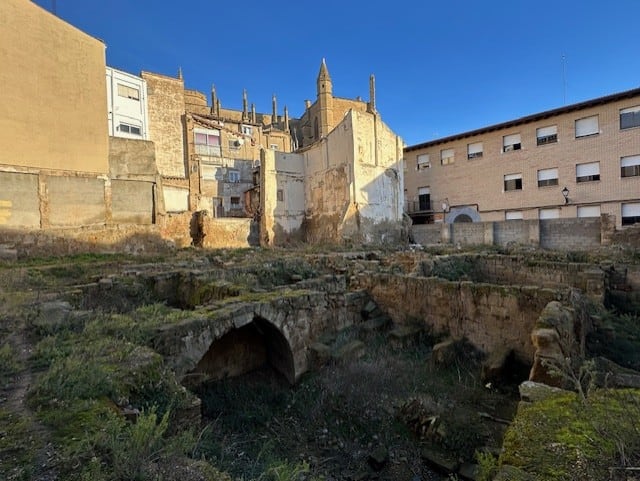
pixel 423 162
pixel 589 211
pixel 511 142
pixel 547 177
pixel 274 147
pixel 588 172
pixel 631 213
pixel 207 142
pixel 474 150
pixel 587 126
pixel 128 92
pixel 549 214
pixel 233 175
pixel 512 182
pixel 513 215
pixel 446 156
pixel 424 198
pixel 547 135
pixel 247 130
pixel 630 117
pixel 630 166
pixel 235 202
pixel 234 144
pixel 129 129
pixel 280 195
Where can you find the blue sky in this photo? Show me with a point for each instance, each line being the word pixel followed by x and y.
pixel 441 67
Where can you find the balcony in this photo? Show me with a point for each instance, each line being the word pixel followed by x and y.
pixel 208 150
pixel 419 207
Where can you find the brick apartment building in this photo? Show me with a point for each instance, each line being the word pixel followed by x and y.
pixel 581 160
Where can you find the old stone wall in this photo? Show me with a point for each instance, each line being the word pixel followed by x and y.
pixel 129 157
pixel 282 197
pixel 489 316
pixel 218 233
pixel 300 317
pixel 127 239
pixel 132 202
pixel 166 106
pixel 19 200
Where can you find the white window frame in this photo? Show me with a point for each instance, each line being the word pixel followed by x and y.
pixel 630 166
pixel 447 156
pixel 588 172
pixel 549 213
pixel 474 150
pixel 630 213
pixel 547 135
pixel 511 142
pixel 207 148
pixel 588 211
pixel 128 92
pixel 247 129
pixel 632 115
pixel 423 162
pixel 548 177
pixel 511 178
pixel 513 215
pixel 125 128
pixel 587 126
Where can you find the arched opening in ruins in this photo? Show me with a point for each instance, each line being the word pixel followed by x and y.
pixel 243 350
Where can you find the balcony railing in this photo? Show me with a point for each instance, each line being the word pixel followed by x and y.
pixel 418 206
pixel 209 150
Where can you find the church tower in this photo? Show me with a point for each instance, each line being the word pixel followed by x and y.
pixel 325 102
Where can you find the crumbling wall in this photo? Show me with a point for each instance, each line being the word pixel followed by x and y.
pixel 489 316
pixel 282 197
pixel 19 200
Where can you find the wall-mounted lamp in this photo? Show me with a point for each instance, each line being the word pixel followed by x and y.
pixel 445 205
pixel 565 193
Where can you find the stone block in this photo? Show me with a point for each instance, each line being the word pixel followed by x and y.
pixel 350 351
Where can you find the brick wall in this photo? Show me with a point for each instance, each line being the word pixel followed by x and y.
pixel 570 234
pixel 561 234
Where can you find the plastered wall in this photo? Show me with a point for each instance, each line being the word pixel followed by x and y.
pixel 53 116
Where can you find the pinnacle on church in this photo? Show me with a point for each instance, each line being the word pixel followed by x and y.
pixel 324 72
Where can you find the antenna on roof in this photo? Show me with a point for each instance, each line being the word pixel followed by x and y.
pixel 564 80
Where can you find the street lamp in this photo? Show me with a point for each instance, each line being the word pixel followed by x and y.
pixel 565 193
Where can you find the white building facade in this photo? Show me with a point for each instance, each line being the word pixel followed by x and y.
pixel 127 105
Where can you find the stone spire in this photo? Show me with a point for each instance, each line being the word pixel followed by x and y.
pixel 245 114
pixel 371 106
pixel 274 108
pixel 324 83
pixel 286 119
pixel 214 99
pixel 179 73
pixel 253 113
pixel 218 107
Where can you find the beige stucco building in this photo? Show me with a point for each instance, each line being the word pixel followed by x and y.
pixel 59 168
pixel 582 160
pixel 50 71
